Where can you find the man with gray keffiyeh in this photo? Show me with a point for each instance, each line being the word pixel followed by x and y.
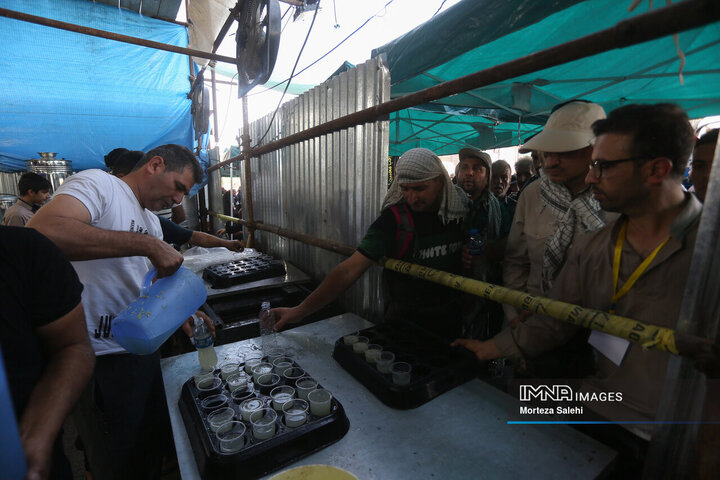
pixel 421 221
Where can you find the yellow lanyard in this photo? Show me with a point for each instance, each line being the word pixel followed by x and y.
pixel 618 294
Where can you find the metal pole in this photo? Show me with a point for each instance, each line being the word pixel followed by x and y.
pixel 689 395
pixel 247 183
pixel 646 335
pixel 656 24
pixel 301 237
pixel 71 27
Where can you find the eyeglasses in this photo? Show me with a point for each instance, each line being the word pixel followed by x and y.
pixel 598 166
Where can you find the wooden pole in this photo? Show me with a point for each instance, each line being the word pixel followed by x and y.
pixel 247 183
pixel 94 32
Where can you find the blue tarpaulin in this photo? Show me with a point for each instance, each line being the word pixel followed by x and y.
pixel 82 96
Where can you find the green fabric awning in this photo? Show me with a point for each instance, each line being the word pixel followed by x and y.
pixel 478 34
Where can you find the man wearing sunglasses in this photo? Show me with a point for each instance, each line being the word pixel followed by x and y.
pixel 625 268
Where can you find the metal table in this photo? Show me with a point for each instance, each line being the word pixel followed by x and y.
pixel 461 434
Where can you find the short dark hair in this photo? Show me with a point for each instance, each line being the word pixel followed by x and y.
pixel 658 130
pixel 113 156
pixel 502 163
pixel 710 137
pixel 176 158
pixel 32 181
pixel 127 162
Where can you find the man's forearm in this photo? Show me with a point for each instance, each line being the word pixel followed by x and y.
pixel 55 395
pixel 80 241
pixel 202 239
pixel 337 281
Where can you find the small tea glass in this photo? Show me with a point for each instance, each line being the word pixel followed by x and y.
pixel 204 379
pixel 263 423
pixel 304 386
pixel 229 368
pixel 210 387
pixel 267 381
pixel 361 345
pixel 236 381
pixel 281 364
pixel 292 374
pixel 372 353
pixel 385 361
pixel 280 395
pixel 213 402
pixel 295 412
pixel 350 338
pixel 231 437
pixel 261 369
pixel 320 402
pixel 252 361
pixel 219 418
pixel 247 407
pixel 240 395
pixel 401 373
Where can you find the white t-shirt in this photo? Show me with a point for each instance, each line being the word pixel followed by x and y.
pixel 111 284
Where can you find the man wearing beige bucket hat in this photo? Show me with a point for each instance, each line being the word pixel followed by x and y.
pixel 421 221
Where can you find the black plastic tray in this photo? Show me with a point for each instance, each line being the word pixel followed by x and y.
pixel 258 457
pixel 244 270
pixel 436 367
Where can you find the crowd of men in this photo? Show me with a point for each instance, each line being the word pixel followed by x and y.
pixel 598 218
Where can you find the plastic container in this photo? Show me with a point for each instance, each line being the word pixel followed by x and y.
pixel 476 245
pixel 161 308
pixel 205 346
pixel 266 320
pixel 292 438
pixel 427 365
pixel 314 472
pixel 243 270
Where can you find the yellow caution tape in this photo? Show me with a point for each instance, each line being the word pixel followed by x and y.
pixel 648 336
pixel 227 218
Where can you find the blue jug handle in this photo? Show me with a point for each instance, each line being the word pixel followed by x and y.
pixel 147 281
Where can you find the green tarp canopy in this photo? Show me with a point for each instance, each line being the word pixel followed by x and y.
pixel 477 34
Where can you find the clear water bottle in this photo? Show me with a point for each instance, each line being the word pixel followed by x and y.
pixel 266 320
pixel 203 340
pixel 476 245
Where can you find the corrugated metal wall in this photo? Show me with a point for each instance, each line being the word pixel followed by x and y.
pixel 9 182
pixel 329 187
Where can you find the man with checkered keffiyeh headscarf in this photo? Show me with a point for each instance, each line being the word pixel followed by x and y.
pixel 421 221
pixel 421 165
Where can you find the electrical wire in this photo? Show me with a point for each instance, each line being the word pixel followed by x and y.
pixel 291 73
pixel 337 25
pixel 439 8
pixel 227 108
pixel 286 23
pixel 329 51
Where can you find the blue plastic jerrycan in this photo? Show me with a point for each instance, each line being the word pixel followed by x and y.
pixel 161 309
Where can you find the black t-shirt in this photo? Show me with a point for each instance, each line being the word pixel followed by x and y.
pixel 436 245
pixel 38 286
pixel 174 233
